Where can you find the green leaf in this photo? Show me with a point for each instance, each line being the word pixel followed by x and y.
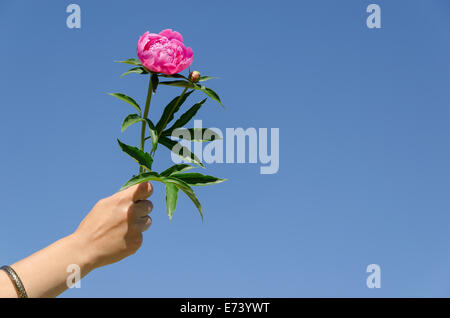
pixel 176 169
pixel 193 133
pixel 153 133
pixel 143 158
pixel 183 152
pixel 150 123
pixel 128 100
pixel 131 62
pixel 206 90
pixel 179 83
pixel 170 110
pixel 143 177
pixel 197 179
pixel 210 93
pixel 130 120
pixel 205 78
pixel 134 118
pixel 183 186
pixel 135 70
pixel 186 117
pixel 171 198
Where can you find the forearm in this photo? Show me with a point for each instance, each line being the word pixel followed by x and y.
pixel 44 273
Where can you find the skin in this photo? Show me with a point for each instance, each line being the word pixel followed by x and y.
pixel 110 232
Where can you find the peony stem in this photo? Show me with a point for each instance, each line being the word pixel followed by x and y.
pixel 146 110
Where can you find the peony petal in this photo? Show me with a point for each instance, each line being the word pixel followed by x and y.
pixel 169 34
pixel 189 53
pixel 169 68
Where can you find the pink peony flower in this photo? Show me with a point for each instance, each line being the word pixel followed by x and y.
pixel 164 52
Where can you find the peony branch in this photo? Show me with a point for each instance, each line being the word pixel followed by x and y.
pixel 165 55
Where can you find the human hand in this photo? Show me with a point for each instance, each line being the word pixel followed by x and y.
pixel 113 229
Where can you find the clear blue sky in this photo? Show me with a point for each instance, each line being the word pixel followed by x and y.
pixel 364 144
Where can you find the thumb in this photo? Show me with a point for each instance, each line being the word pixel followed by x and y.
pixel 139 191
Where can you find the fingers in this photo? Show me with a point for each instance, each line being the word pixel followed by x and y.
pixel 143 223
pixel 140 209
pixel 140 191
pixel 138 215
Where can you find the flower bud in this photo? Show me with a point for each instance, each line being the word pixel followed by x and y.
pixel 194 76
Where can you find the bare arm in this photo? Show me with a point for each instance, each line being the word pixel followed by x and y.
pixel 109 233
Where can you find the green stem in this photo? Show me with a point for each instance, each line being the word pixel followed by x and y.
pixel 171 113
pixel 146 110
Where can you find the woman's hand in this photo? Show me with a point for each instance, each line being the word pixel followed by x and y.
pixel 110 232
pixel 113 229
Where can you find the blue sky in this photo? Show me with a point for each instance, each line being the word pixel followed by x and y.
pixel 364 132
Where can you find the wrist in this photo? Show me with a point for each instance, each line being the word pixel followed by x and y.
pixel 82 256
